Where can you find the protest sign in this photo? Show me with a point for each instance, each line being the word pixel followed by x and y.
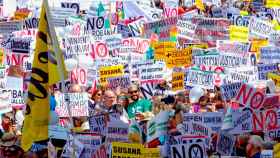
pixel 121 81
pixel 5 102
pixel 267 154
pixel 59 15
pixel 162 27
pixel 58 132
pixel 91 143
pixel 272 4
pixel 270 55
pixel 250 96
pixel 106 72
pixel 178 81
pixel 265 120
pixel 31 23
pixel 73 146
pixel 117 131
pixel 77 45
pixel 186 29
pixel 79 76
pixel 238 33
pixel 157 126
pixel 136 27
pixel 272 134
pixel 233 47
pixel 241 122
pixel 182 57
pixel 152 72
pixel 20 45
pixel 225 143
pixel 229 91
pixel 211 29
pixel 97 123
pixel 147 89
pixel 260 27
pixel 264 69
pixel 190 150
pixel 17 97
pixel 126 150
pixel 78 103
pixel 275 78
pixel 9 27
pixel 239 20
pixel 95 23
pixel 71 5
pixel 100 50
pixel 100 152
pixel 170 8
pixel 212 120
pixel 161 47
pixel 141 45
pixel 200 78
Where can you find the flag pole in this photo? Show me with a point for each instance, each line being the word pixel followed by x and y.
pixel 58 55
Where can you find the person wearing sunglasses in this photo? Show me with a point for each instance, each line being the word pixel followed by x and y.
pixel 139 108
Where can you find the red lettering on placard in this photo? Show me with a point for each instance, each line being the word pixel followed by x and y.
pixel 265 120
pixel 100 50
pixel 16 59
pixel 169 12
pixel 100 153
pixel 253 97
pixel 78 76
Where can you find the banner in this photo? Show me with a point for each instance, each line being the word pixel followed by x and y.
pixel 91 143
pixel 117 131
pixel 110 71
pixel 178 58
pixel 35 126
pixel 186 29
pixel 241 121
pixel 264 69
pixel 260 27
pixel 122 82
pixel 152 72
pixel 78 103
pixel 126 150
pixel 270 55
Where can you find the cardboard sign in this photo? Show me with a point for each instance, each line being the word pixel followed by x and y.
pixel 170 8
pixel 225 143
pixel 264 69
pixel 188 150
pixel 270 55
pixel 91 143
pixel 275 78
pixel 200 78
pixel 178 81
pixel 31 23
pixel 141 45
pixel 117 131
pixel 229 91
pixel 260 27
pixel 250 96
pixel 78 103
pixel 161 47
pixel 126 150
pixel 238 33
pixel 100 50
pixel 186 29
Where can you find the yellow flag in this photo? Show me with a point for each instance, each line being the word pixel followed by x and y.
pixel 44 73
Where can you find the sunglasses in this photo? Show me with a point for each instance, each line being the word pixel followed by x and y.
pixel 131 92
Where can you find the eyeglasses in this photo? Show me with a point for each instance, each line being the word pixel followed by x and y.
pixel 131 92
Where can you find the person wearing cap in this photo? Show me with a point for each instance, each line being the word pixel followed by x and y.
pixel 138 108
pixel 254 146
pixel 9 146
